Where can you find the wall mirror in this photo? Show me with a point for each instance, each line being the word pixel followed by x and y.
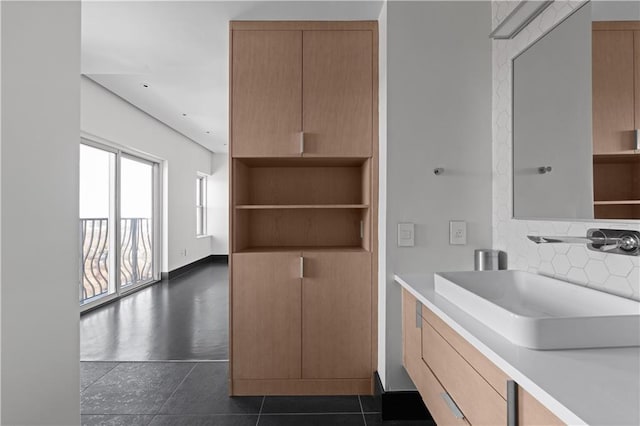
pixel 576 117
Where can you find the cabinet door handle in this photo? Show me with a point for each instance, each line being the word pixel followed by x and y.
pixel 301 143
pixel 301 267
pixel 637 132
pixel 452 406
pixel 512 403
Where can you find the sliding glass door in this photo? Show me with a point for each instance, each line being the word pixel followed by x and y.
pixel 119 207
pixel 136 222
pixel 97 223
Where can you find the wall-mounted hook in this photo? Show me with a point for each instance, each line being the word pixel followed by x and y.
pixel 544 169
pixel 438 171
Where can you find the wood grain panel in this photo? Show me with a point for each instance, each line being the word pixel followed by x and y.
pixel 479 402
pixel 266 93
pixel 613 91
pixel 305 185
pixel 636 68
pixel 614 181
pixel 336 315
pixel 616 25
pixel 487 369
pixel 266 316
pixel 241 183
pixel 303 387
pixel 532 413
pixel 427 384
pixel 623 211
pixel 300 227
pixel 431 392
pixel 338 93
pixel 304 25
pixel 411 336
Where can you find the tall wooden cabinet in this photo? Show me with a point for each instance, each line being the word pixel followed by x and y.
pixel 616 119
pixel 303 220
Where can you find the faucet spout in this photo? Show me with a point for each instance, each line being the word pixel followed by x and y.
pixel 570 240
pixel 617 241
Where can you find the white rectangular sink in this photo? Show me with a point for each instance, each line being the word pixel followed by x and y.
pixel 539 312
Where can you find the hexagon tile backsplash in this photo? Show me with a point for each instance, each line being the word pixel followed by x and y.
pixel 570 262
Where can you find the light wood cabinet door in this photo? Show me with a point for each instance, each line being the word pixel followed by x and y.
pixel 338 93
pixel 637 76
pixel 613 91
pixel 266 319
pixel 411 335
pixel 336 315
pixel 266 118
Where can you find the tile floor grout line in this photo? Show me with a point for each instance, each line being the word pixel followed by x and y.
pixel 176 389
pixel 364 419
pixel 260 412
pixel 332 413
pixel 96 380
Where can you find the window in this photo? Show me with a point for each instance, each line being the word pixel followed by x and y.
pixel 201 200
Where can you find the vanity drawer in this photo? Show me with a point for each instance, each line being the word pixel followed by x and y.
pixel 487 369
pixel 411 334
pixel 532 413
pixel 478 400
pixel 432 394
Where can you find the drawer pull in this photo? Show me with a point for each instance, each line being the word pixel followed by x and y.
pixel 418 314
pixel 452 406
pixel 512 403
pixel 301 267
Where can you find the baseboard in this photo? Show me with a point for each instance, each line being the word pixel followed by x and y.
pixel 212 258
pixel 402 405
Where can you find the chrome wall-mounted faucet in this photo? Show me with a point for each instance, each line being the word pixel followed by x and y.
pixel 616 241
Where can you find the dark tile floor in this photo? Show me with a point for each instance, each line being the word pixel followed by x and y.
pixel 186 318
pixel 195 394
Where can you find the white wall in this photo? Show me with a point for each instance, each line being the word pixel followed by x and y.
pixel 218 204
pixel 608 10
pixel 608 272
pixel 439 115
pixel 39 198
pixel 110 117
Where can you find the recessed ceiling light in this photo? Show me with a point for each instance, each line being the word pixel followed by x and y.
pixel 145 85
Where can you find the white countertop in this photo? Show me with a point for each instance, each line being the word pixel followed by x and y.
pixel 580 386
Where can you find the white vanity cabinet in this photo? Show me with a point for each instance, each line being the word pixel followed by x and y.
pixel 458 384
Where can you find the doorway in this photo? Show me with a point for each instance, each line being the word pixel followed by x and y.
pixel 119 223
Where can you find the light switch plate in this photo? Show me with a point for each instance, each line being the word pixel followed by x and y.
pixel 457 232
pixel 406 234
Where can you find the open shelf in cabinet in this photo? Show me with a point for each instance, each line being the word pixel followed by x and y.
pixel 300 206
pixel 270 249
pixel 282 228
pixel 329 182
pixel 616 185
pixel 282 203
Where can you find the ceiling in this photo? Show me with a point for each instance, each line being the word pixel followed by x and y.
pixel 170 58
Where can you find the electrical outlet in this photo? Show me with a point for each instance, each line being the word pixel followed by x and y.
pixel 457 232
pixel 406 232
